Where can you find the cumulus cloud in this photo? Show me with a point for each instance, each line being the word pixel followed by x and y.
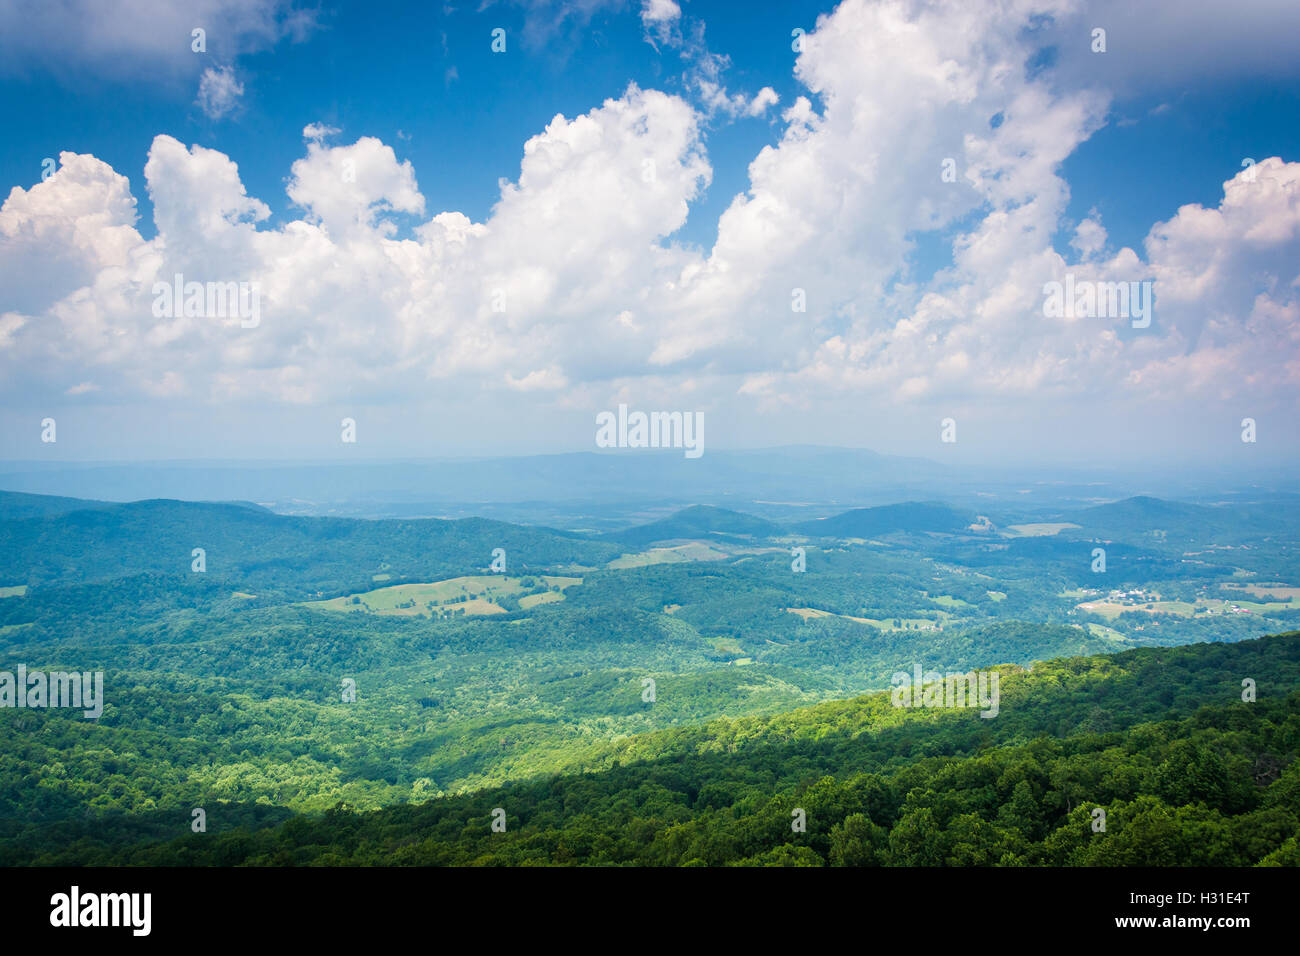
pixel 59 236
pixel 345 304
pixel 573 291
pixel 1089 236
pixel 349 187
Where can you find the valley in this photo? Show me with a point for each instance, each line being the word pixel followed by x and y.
pixel 222 688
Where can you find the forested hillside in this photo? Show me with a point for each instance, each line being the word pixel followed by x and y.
pixel 911 517
pixel 1159 740
pixel 701 521
pixel 255 548
pixel 317 662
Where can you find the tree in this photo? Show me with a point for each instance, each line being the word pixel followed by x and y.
pixel 918 840
pixel 858 842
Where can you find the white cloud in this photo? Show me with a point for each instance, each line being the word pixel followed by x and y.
pixel 664 25
pixel 346 307
pixel 715 99
pixel 762 100
pixel 348 187
pixel 1089 236
pixel 141 37
pixel 660 11
pixel 572 291
pixel 542 379
pixel 219 91
pixel 60 234
pixel 320 131
pixel 661 19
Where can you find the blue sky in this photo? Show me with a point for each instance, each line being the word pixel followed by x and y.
pixel 1165 117
pixel 374 69
pixel 384 70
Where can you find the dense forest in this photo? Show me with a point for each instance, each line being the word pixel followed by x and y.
pixel 693 685
pixel 1160 741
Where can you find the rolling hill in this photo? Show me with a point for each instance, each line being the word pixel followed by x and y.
pixel 1144 515
pixel 909 517
pixel 252 547
pixel 1158 740
pixel 699 521
pixel 18 504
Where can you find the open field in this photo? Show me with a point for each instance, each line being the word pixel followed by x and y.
pixel 693 551
pixel 644 559
pixel 469 595
pixel 904 623
pixel 1112 609
pixel 948 601
pixel 1269 592
pixel 545 597
pixel 1039 529
pixel 1101 630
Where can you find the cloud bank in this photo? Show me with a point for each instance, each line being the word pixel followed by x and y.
pixel 930 123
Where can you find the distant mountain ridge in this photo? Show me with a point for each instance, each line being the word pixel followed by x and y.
pixel 1146 514
pixel 258 548
pixel 1146 508
pixel 793 473
pixel 19 504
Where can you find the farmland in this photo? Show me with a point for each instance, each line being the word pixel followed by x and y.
pixel 469 595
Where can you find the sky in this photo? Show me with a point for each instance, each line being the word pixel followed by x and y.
pixel 472 228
